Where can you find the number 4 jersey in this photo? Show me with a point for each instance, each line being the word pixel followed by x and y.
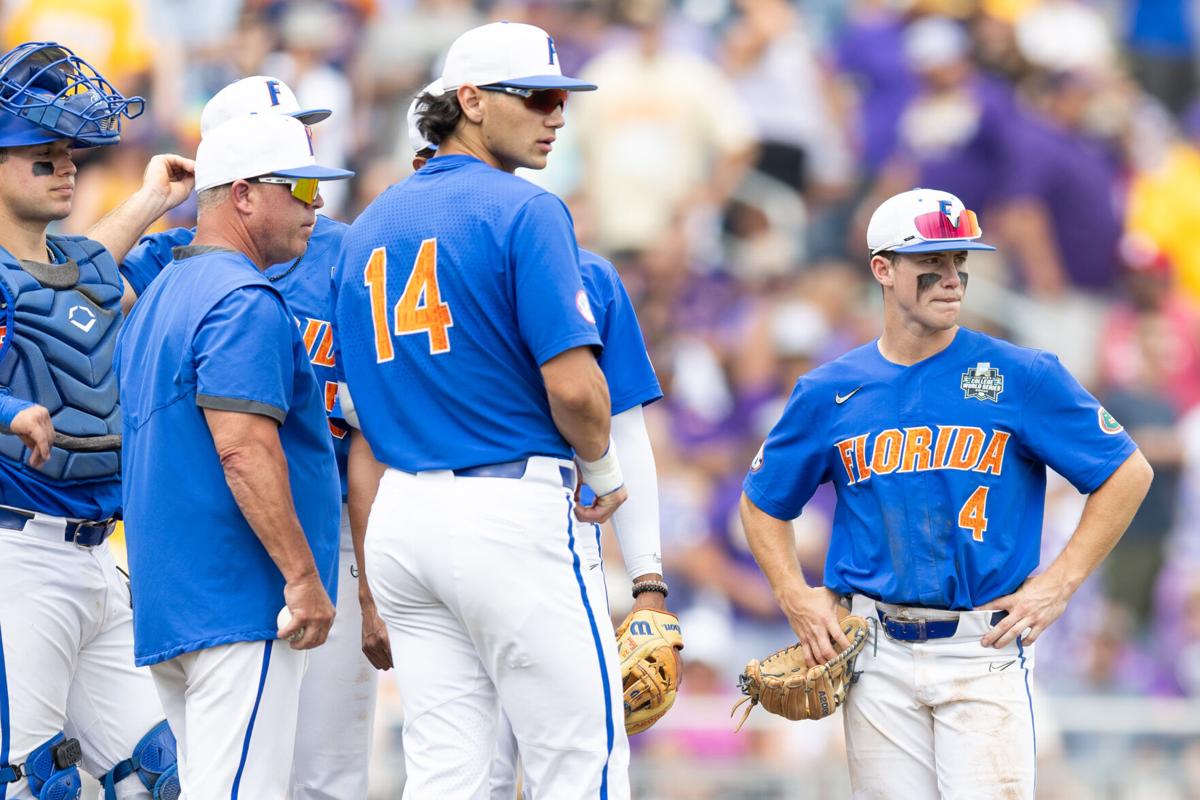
pixel 939 467
pixel 453 288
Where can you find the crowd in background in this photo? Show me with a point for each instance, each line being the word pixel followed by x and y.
pixel 727 166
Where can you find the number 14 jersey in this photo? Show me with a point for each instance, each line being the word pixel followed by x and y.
pixel 453 288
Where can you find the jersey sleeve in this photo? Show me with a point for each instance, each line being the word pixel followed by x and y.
pixel 792 462
pixel 1066 428
pixel 553 313
pixel 625 362
pixel 151 255
pixel 243 354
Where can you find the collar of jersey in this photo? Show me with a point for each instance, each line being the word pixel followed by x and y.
pixel 960 341
pixel 442 163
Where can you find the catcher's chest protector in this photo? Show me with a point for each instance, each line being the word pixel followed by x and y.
pixel 60 324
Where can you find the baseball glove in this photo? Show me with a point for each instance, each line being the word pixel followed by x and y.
pixel 783 685
pixel 647 642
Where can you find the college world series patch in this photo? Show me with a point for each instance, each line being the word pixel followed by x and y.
pixel 983 382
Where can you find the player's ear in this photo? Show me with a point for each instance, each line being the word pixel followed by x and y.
pixel 470 99
pixel 883 270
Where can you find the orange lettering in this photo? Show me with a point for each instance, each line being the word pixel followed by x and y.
pixel 917 443
pixel 966 448
pixel 845 447
pixel 886 457
pixel 993 457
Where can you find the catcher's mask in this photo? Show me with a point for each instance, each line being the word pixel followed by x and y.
pixel 49 93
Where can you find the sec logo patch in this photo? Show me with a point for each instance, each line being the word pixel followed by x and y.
pixel 585 308
pixel 1108 423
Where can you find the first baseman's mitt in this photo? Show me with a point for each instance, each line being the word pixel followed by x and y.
pixel 783 685
pixel 647 642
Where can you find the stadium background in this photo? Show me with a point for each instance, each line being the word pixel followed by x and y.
pixel 727 166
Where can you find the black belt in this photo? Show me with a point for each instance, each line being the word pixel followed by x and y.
pixel 922 630
pixel 82 533
pixel 512 469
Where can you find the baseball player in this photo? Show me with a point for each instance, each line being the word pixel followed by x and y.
pixel 340 684
pixel 230 485
pixel 69 692
pixel 632 384
pixel 937 439
pixel 467 345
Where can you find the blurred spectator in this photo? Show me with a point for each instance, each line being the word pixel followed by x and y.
pixel 1151 312
pixel 666 137
pixel 958 131
pixel 779 79
pixel 868 57
pixel 1164 205
pixel 309 32
pixel 1161 36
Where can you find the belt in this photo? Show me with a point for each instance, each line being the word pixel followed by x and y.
pixel 512 469
pixel 82 533
pixel 902 629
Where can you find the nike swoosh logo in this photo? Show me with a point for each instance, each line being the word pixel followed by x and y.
pixel 841 398
pixel 1000 668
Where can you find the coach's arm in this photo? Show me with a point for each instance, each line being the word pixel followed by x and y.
pixel 256 470
pixel 810 610
pixel 582 412
pixel 1042 598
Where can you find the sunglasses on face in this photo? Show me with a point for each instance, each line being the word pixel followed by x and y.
pixel 303 189
pixel 543 101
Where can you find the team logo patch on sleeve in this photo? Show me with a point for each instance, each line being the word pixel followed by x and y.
pixel 757 463
pixel 585 308
pixel 983 382
pixel 1108 423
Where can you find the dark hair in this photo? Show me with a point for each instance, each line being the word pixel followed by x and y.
pixel 438 116
pixel 890 255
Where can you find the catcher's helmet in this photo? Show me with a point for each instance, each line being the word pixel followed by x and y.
pixel 49 93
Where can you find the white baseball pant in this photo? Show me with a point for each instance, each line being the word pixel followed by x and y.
pixel 494 600
pixel 66 654
pixel 233 710
pixel 337 700
pixel 944 718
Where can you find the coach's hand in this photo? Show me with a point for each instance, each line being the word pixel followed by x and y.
pixel 813 615
pixel 376 645
pixel 603 508
pixel 312 612
pixel 1033 608
pixel 36 432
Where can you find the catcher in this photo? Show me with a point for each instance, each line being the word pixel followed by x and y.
pixel 788 684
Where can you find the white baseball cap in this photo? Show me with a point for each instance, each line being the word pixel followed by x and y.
pixel 924 221
pixel 509 53
pixel 259 144
pixel 416 139
pixel 259 94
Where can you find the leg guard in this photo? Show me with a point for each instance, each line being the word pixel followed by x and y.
pixel 50 770
pixel 153 761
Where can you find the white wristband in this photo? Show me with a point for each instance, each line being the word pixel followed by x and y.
pixel 603 474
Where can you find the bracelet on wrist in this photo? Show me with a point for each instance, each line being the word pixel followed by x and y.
pixel 642 587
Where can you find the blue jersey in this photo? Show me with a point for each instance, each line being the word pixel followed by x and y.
pixel 624 361
pixel 939 467
pixel 212 333
pixel 306 286
pixel 453 288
